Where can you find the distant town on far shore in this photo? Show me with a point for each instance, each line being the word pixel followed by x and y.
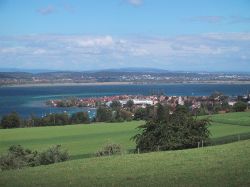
pixel 118 76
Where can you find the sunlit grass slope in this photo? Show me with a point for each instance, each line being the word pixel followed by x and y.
pixel 223 165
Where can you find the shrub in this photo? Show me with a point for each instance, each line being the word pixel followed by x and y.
pixel 109 149
pixel 17 158
pixel 52 155
pixel 239 106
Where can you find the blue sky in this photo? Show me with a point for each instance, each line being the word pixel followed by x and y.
pixel 192 35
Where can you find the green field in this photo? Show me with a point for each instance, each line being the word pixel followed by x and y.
pixel 235 118
pixel 79 140
pixel 84 140
pixel 223 165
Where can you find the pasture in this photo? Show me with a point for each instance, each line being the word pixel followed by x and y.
pixel 223 165
pixel 79 140
pixel 84 140
pixel 234 118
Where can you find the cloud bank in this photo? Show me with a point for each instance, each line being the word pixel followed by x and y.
pixel 211 51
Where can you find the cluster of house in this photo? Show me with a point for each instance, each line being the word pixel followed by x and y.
pixel 106 100
pixel 194 102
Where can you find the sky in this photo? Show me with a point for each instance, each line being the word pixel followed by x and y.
pixel 79 35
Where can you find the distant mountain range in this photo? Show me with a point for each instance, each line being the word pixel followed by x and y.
pixel 137 69
pixel 111 70
pixel 128 69
pixel 26 70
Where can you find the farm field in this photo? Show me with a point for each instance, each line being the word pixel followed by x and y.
pixel 234 118
pixel 84 140
pixel 79 140
pixel 222 165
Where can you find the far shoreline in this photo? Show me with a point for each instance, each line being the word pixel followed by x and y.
pixel 125 83
pixel 67 84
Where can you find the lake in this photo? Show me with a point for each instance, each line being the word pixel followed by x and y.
pixel 31 100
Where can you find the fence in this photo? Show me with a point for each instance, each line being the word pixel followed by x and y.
pixel 230 139
pixel 212 142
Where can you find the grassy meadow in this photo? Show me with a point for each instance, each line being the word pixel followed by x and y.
pixel 84 140
pixel 222 165
pixel 234 118
pixel 79 140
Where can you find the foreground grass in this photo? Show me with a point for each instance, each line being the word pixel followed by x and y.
pixel 224 165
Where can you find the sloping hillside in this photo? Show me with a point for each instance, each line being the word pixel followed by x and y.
pixel 224 165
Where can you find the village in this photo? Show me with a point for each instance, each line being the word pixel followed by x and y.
pixel 215 103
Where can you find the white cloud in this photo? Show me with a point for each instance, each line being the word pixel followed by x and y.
pixel 96 42
pixel 75 51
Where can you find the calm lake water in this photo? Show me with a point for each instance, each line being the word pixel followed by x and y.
pixel 31 100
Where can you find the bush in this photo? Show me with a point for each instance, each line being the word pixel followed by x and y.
pixel 240 106
pixel 53 155
pixel 109 149
pixel 18 157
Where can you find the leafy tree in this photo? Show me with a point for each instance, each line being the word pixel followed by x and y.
pixel 161 113
pixel 80 117
pixel 103 114
pixel 140 114
pixel 240 106
pixel 149 112
pixel 130 104
pixel 126 115
pixel 56 119
pixel 11 121
pixel 202 110
pixel 115 105
pixel 176 131
pixel 181 108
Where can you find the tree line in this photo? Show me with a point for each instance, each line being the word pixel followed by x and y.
pixel 13 120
